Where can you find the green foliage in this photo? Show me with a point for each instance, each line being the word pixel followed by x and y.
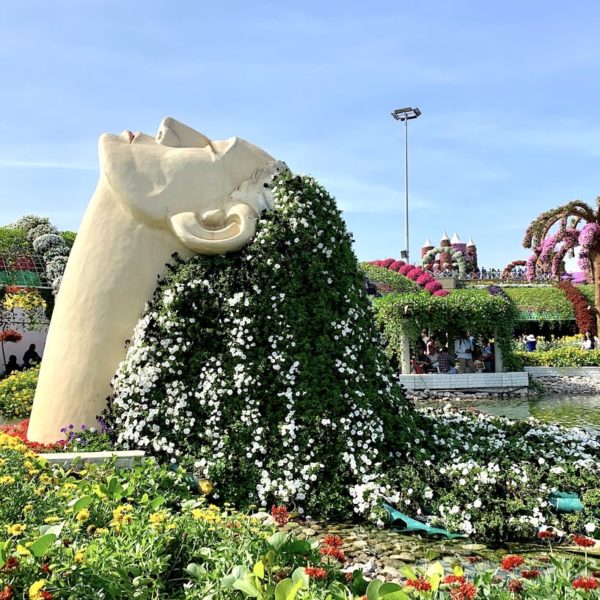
pixel 68 237
pixel 476 311
pixel 561 357
pixel 388 281
pixel 16 394
pixel 541 303
pixel 587 290
pixel 13 239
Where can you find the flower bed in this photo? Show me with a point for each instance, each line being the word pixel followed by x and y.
pixel 100 532
pixel 16 394
pixel 560 357
pixel 103 532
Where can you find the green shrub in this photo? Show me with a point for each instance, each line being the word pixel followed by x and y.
pixel 16 394
pixel 587 290
pixel 388 281
pixel 566 356
pixel 541 303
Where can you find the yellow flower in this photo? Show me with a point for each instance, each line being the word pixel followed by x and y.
pixel 22 550
pixel 211 514
pixel 101 531
pixel 157 518
pixel 206 486
pixel 16 529
pixel 35 588
pixel 7 480
pixel 52 519
pixel 27 508
pixel 45 478
pixel 79 556
pixel 83 515
pixel 122 516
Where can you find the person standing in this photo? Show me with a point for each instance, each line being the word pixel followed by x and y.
pixel 464 353
pixel 588 341
pixel 530 343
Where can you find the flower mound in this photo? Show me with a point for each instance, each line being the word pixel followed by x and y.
pixel 259 365
pixel 263 372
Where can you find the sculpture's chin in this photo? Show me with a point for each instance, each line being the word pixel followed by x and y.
pixel 239 226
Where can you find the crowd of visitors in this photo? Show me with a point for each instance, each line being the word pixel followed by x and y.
pixel 467 356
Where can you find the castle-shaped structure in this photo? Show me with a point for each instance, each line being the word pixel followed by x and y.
pixel 445 255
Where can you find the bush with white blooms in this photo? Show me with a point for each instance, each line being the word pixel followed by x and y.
pixel 263 371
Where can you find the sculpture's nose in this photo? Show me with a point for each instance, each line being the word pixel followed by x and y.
pixel 174 133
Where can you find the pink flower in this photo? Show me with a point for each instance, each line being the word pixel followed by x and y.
pixel 387 262
pixel 396 265
pixel 441 293
pixel 433 286
pixel 414 273
pixel 424 279
pixel 404 270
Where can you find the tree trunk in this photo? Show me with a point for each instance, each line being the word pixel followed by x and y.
pixel 595 262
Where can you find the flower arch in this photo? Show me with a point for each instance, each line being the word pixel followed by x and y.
pixel 456 257
pixel 510 266
pixel 579 226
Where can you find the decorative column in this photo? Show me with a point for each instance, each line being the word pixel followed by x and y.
pixel 498 362
pixel 404 354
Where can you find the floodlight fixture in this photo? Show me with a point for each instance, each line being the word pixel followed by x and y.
pixel 405 115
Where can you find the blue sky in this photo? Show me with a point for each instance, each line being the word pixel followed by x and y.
pixel 510 95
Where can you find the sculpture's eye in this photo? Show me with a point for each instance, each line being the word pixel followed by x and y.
pixel 177 135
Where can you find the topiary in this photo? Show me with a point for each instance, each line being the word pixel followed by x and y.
pixel 264 367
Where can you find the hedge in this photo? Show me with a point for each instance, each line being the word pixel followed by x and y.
pixel 388 281
pixel 541 304
pixel 560 357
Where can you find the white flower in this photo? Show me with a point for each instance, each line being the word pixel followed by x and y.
pixel 590 527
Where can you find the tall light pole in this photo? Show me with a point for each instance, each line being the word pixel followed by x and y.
pixel 406 114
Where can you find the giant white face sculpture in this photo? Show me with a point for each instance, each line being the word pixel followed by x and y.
pixel 209 192
pixel 175 192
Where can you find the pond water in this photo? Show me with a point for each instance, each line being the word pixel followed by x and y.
pixel 571 411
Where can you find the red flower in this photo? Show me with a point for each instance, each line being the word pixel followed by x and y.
pixel 45 595
pixel 11 564
pixel 10 335
pixel 533 574
pixel 334 553
pixel 7 592
pixel 450 579
pixel 333 540
pixel 45 568
pixel 511 561
pixel 316 573
pixel 418 584
pixel 546 534
pixel 515 586
pixel 465 591
pixel 19 430
pixel 280 514
pixel 585 583
pixel 583 541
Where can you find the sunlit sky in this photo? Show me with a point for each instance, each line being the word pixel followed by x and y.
pixel 509 93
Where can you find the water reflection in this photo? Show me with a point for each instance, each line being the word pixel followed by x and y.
pixel 572 411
